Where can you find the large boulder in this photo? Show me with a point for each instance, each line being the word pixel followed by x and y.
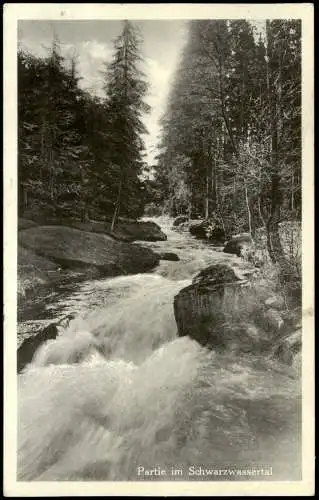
pixel 169 256
pixel 211 308
pixel 141 230
pixel 124 229
pixel 181 219
pixel 34 270
pixel 30 345
pixel 288 347
pixel 75 249
pixel 197 229
pixel 208 230
pixel 100 228
pixel 238 243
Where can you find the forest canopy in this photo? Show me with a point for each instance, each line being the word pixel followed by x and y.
pixel 80 155
pixel 231 135
pixel 230 145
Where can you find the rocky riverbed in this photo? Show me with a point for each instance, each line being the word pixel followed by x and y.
pixel 120 383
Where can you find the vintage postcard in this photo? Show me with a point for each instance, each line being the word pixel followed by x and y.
pixel 158 249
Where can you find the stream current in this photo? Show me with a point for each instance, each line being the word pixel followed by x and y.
pixel 118 393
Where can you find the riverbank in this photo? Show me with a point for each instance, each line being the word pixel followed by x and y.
pixel 118 389
pixel 58 252
pixel 44 304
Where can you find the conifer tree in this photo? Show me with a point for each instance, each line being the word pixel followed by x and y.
pixel 125 91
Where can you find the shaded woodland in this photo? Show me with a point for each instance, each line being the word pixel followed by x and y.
pixel 80 155
pixel 230 145
pixel 231 135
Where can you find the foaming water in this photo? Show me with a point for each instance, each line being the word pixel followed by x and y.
pixel 129 329
pixel 117 390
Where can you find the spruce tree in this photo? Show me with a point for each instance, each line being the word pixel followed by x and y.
pixel 125 91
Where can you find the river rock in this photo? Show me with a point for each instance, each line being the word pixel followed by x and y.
pixel 34 270
pixel 289 347
pixel 216 274
pixel 202 309
pixel 206 229
pixel 124 230
pixel 181 219
pixel 197 229
pixel 141 230
pixel 30 345
pixel 169 256
pixel 238 243
pixel 75 249
pixel 100 228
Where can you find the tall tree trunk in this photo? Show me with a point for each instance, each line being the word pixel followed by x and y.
pixel 205 160
pixel 260 213
pixel 85 214
pixel 117 205
pixel 214 187
pixel 247 206
pixel 274 244
pixel 189 210
pixel 206 201
pixel 292 201
pixel 273 238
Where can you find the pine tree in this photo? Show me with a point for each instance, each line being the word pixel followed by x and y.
pixel 231 108
pixel 52 156
pixel 189 124
pixel 125 91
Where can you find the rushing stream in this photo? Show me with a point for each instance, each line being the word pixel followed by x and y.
pixel 118 391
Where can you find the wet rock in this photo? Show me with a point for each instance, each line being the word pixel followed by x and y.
pixel 30 345
pixel 202 309
pixel 100 228
pixel 238 243
pixel 75 249
pixel 168 256
pixel 181 219
pixel 197 230
pixel 207 229
pixel 216 274
pixel 183 227
pixel 139 230
pixel 34 271
pixel 124 229
pixel 289 348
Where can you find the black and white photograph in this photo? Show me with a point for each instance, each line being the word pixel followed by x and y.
pixel 160 308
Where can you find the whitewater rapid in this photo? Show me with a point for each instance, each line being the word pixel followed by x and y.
pixel 117 390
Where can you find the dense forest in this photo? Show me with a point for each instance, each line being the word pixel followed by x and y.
pixel 81 155
pixel 230 147
pixel 231 135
